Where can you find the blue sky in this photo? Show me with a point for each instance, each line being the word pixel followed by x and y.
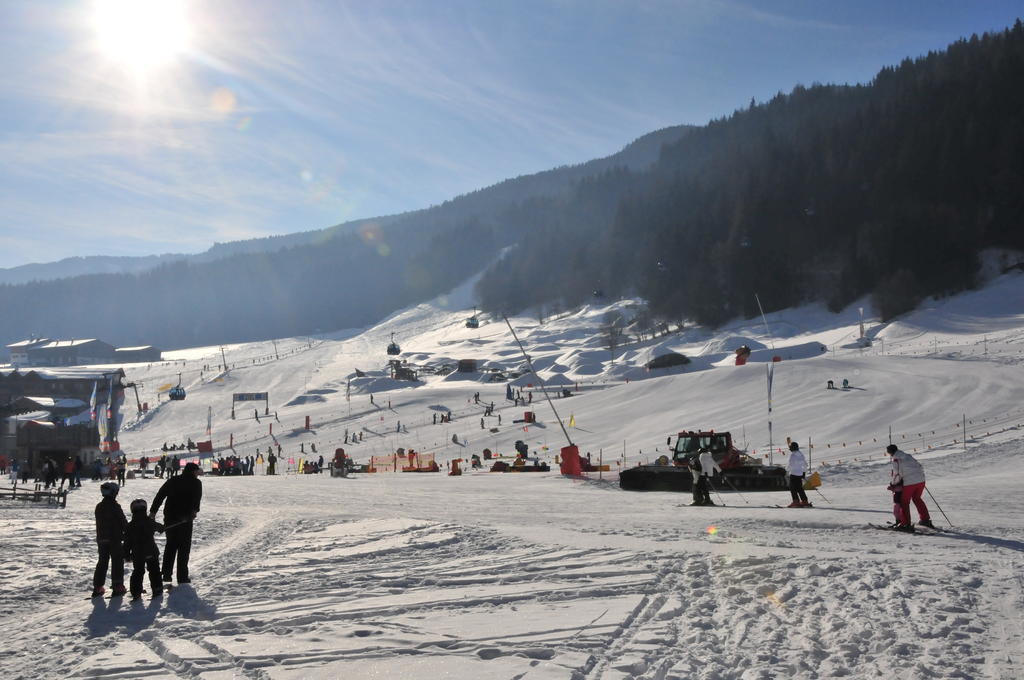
pixel 259 117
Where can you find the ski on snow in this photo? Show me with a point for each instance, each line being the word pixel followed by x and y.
pixel 923 531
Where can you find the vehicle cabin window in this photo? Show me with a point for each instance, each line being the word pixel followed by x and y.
pixel 688 444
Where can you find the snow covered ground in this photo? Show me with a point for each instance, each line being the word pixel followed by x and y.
pixel 536 576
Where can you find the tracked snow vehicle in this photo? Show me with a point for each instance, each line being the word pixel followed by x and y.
pixel 742 472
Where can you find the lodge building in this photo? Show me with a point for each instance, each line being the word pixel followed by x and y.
pixel 46 413
pixel 47 352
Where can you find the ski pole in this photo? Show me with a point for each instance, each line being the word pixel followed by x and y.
pixel 177 524
pixel 735 489
pixel 823 496
pixel 712 487
pixel 938 506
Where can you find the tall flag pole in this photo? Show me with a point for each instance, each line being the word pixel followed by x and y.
pixel 770 372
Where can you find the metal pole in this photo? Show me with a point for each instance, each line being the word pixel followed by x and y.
pixel 735 489
pixel 938 506
pixel 965 433
pixel 542 386
pixel 711 486
pixel 769 373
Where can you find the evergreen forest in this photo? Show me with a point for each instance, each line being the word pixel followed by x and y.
pixel 828 193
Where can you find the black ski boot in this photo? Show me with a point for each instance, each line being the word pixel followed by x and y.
pixel 926 523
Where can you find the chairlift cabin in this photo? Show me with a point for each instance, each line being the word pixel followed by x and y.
pixel 393 348
pixel 176 393
pixel 473 322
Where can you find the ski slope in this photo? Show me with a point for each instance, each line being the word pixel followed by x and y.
pixel 536 576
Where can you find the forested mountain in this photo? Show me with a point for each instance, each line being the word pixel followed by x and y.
pixel 827 193
pixel 347 275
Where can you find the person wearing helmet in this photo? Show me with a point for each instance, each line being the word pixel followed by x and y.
pixel 183 494
pixel 797 468
pixel 110 527
pixel 907 485
pixel 140 547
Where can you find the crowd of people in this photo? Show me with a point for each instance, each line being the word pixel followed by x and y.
pixel 234 465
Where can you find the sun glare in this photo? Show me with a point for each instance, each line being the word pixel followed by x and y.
pixel 141 34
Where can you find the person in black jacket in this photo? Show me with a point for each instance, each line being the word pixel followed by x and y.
pixel 140 548
pixel 110 527
pixel 183 494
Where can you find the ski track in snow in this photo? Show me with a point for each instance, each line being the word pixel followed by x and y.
pixel 536 577
pixel 310 587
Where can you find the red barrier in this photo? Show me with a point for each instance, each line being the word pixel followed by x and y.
pixel 570 464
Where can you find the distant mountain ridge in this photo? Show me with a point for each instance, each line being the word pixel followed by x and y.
pixel 345 276
pixel 637 155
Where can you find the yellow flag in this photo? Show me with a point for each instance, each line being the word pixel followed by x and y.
pixel 572 420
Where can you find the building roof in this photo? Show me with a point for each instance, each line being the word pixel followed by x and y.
pixel 29 416
pixel 48 403
pixel 40 403
pixel 67 343
pixel 28 343
pixel 65 373
pixel 135 349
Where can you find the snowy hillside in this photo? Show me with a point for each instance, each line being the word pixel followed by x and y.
pixel 532 576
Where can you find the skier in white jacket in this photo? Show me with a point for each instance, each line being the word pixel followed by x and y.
pixel 708 467
pixel 907 485
pixel 797 468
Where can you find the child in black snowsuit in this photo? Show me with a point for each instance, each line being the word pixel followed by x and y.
pixel 140 547
pixel 110 527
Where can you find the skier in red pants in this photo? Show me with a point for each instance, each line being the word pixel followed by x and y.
pixel 907 485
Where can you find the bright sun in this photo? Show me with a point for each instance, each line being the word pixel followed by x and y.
pixel 141 34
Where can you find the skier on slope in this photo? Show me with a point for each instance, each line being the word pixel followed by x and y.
pixel 110 527
pixel 797 468
pixel 706 468
pixel 907 485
